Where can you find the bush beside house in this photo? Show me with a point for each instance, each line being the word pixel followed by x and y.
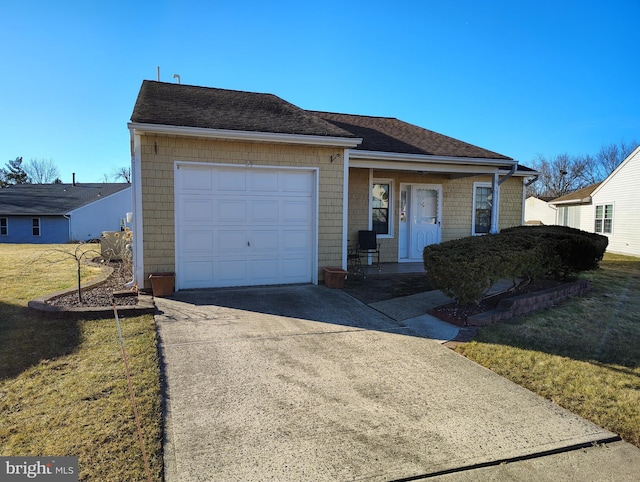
pixel 466 268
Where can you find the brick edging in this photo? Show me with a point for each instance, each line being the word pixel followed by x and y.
pixel 522 304
pixel 40 305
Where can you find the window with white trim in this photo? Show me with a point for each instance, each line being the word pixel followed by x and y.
pixel 482 204
pixel 35 226
pixel 381 207
pixel 4 226
pixel 604 219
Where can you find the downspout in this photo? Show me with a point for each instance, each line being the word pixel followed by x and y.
pixel 345 208
pixel 68 218
pixel 495 187
pixel 136 204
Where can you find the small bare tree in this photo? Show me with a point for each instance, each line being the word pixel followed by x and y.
pixel 79 255
pixel 122 173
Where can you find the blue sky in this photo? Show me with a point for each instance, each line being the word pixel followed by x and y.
pixel 520 78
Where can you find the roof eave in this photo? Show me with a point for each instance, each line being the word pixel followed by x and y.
pixel 586 200
pixel 358 158
pixel 225 134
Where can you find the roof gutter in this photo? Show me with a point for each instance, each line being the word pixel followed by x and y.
pixel 226 134
pixel 393 156
pixel 586 200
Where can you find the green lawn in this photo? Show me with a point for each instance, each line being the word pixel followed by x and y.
pixel 584 354
pixel 63 389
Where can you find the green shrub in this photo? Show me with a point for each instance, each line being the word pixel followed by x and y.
pixel 578 250
pixel 466 268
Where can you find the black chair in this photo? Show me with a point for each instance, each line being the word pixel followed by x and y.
pixel 368 246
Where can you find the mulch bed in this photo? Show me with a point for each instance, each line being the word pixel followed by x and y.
pixel 102 295
pixel 457 314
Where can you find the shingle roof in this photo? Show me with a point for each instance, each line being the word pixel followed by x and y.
pixel 577 196
pixel 387 134
pixel 53 199
pixel 205 107
pixel 211 108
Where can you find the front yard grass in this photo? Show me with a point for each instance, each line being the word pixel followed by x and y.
pixel 63 389
pixel 583 354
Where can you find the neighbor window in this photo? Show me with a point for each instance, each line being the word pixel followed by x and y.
pixel 604 219
pixel 381 207
pixel 4 226
pixel 35 227
pixel 482 202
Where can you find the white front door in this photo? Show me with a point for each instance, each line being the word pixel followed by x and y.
pixel 420 219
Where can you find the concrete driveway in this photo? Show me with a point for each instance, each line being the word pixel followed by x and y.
pixel 306 383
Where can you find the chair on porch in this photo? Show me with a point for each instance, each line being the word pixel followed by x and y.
pixel 367 246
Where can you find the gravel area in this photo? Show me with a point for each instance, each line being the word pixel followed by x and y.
pixel 102 295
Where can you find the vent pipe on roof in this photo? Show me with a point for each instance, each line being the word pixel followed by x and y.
pixel 177 76
pixel 158 71
pixel 73 177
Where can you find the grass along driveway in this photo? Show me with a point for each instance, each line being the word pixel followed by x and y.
pixel 583 355
pixel 63 389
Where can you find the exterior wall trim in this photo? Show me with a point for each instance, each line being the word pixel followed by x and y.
pixel 421 158
pixel 401 165
pixel 225 134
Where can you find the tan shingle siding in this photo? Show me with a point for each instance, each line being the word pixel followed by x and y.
pixel 457 204
pixel 158 189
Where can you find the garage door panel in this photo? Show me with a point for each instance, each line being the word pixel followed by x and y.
pixel 195 179
pixel 296 241
pixel 264 241
pixel 196 210
pixel 196 243
pixel 232 211
pixel 231 272
pixel 197 274
pixel 296 211
pixel 265 271
pixel 253 227
pixel 264 181
pixel 297 182
pixel 231 242
pixel 230 180
pixel 295 270
pixel 264 211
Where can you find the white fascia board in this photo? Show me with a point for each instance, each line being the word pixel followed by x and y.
pixel 422 166
pixel 226 134
pixel 586 200
pixel 421 158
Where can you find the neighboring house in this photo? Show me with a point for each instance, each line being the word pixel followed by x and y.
pixel 574 209
pixel 61 213
pixel 610 208
pixel 538 211
pixel 237 188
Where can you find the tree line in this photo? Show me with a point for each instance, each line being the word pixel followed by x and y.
pixel 563 173
pixel 44 171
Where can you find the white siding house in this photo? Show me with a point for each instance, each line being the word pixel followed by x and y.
pixel 615 207
pixel 62 213
pixel 538 211
pixel 610 208
pixel 104 214
pixel 574 209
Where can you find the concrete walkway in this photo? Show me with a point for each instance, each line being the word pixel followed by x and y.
pixel 306 383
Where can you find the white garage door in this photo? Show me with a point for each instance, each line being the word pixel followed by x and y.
pixel 243 226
